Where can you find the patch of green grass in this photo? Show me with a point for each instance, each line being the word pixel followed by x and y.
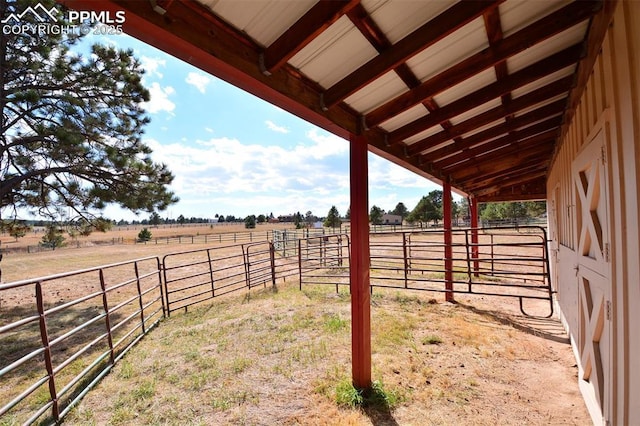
pixel 225 400
pixel 122 415
pixel 333 323
pixel 126 369
pixel 346 395
pixel 240 364
pixel 391 331
pixel 406 299
pixel 9 420
pixel 432 339
pixel 144 391
pixel 308 353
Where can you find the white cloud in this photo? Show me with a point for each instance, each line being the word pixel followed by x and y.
pixel 227 166
pixel 151 66
pixel 272 126
pixel 208 129
pixel 160 99
pixel 326 144
pixel 198 80
pixel 384 174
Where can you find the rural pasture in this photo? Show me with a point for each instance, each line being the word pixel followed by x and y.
pixel 282 355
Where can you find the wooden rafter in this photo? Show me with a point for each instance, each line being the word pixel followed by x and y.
pixel 545 129
pixel 556 62
pixel 481 120
pixel 500 151
pixel 444 24
pixel 502 50
pixel 314 22
pixel 194 32
pixel 521 159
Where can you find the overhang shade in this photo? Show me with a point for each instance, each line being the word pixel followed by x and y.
pixel 476 93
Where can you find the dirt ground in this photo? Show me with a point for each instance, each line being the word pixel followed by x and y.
pixel 494 365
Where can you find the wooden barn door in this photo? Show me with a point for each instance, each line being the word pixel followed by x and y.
pixel 589 176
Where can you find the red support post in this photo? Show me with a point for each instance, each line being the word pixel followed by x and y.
pixel 448 241
pixel 359 268
pixel 475 250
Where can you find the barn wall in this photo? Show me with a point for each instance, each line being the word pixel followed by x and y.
pixel 608 115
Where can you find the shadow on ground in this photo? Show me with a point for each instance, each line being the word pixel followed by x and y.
pixel 547 328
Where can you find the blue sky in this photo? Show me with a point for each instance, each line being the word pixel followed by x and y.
pixel 234 154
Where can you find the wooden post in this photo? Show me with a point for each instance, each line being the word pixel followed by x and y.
pixel 475 251
pixel 448 240
pixel 359 268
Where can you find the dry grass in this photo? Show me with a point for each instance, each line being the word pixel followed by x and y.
pixel 283 357
pixel 20 265
pixel 280 357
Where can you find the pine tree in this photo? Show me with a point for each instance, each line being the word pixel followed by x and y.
pixel 333 218
pixel 71 127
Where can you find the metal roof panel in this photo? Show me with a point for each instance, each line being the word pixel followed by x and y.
pixel 263 20
pixel 397 19
pixel 332 55
pixel 468 40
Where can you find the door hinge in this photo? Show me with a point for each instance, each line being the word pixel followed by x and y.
pixel 605 253
pixel 603 154
pixel 608 309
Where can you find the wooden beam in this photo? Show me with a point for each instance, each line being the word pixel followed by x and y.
pixel 370 30
pixel 533 190
pixel 500 151
pixel 317 19
pixel 359 264
pixel 503 49
pixel 593 45
pixel 551 64
pixel 187 31
pixel 438 28
pixel 545 131
pixel 523 157
pixel 549 91
pixel 512 182
pixel 552 110
pixel 493 28
pixel 483 181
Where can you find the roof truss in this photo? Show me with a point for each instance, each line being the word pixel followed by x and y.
pixel 466 121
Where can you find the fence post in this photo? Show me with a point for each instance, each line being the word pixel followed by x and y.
pixel 475 250
pixel 213 287
pixel 272 254
pixel 245 256
pixel 135 267
pixel 448 241
pixel 299 263
pixel 107 318
pixel 47 352
pixel 406 260
pixel 492 263
pixel 466 244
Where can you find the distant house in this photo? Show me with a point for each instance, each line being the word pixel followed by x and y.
pixel 391 219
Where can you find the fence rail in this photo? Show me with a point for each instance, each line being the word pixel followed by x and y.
pixel 505 262
pixel 56 344
pixel 64 345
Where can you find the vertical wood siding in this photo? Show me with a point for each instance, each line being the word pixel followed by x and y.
pixel 611 101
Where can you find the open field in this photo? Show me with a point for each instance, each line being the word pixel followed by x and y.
pixel 283 357
pixel 128 233
pixel 21 265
